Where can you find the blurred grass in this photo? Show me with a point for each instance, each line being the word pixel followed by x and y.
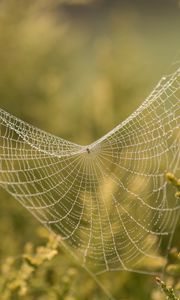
pixel 77 70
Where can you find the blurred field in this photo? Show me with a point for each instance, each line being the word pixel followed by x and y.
pixel 77 70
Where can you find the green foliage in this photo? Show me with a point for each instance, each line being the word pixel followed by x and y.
pixel 172 269
pixel 15 279
pixel 33 273
pixel 43 272
pixel 175 182
pixel 169 292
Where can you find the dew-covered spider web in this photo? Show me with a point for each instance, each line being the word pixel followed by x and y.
pixel 109 201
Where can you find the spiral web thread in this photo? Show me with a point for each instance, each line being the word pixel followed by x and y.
pixel 108 201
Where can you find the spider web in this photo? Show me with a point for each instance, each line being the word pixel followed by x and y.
pixel 109 201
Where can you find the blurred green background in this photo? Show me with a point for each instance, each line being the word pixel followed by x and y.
pixel 77 69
